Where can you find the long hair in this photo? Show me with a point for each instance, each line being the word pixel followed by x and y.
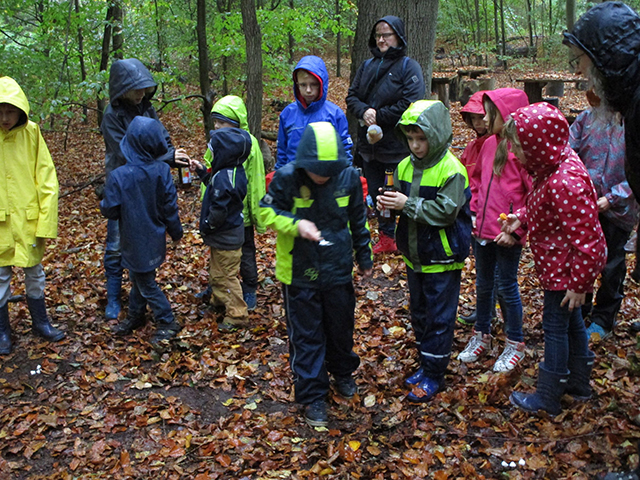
pixel 491 111
pixel 509 141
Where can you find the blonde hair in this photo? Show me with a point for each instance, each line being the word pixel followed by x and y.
pixel 509 141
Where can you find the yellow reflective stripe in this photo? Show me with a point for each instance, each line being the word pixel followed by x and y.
pixel 435 268
pixel 445 243
pixel 326 141
pixel 343 201
pixel 301 203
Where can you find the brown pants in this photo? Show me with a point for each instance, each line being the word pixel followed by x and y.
pixel 225 285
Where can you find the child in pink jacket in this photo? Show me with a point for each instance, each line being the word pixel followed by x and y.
pixel 568 246
pixel 497 188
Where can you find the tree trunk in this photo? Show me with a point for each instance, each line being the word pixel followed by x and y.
pixel 571 13
pixel 292 44
pixel 83 69
pixel 419 17
pixel 118 37
pixel 338 38
pixel 529 21
pixel 253 39
pixel 203 67
pixel 104 60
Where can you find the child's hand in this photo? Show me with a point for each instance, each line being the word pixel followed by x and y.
pixel 603 204
pixel 181 158
pixel 510 224
pixel 391 200
pixel 308 230
pixel 366 274
pixel 575 300
pixel 195 165
pixel 505 240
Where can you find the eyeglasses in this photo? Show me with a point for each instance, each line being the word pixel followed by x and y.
pixel 573 63
pixel 383 36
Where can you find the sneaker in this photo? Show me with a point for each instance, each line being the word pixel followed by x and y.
pixel 511 356
pixel 630 246
pixel 385 244
pixel 476 347
pixel 635 475
pixel 251 300
pixel 468 319
pixel 596 333
pixel 425 390
pixel 316 414
pixel 346 386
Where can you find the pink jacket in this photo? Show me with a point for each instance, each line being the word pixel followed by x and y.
pixel 566 239
pixel 493 194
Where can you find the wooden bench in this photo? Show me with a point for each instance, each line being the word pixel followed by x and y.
pixel 533 86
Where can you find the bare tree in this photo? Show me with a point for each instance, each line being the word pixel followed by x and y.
pixel 203 66
pixel 253 39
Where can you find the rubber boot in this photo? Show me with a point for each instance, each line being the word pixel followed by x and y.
pixel 40 322
pixel 551 387
pixel 5 330
pixel 114 289
pixel 579 374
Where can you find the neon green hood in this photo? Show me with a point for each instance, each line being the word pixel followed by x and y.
pixel 433 119
pixel 232 107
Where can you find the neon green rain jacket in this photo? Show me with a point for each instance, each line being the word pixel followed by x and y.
pixel 233 107
pixel 434 228
pixel 28 186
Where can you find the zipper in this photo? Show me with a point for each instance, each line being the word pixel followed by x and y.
pixel 484 208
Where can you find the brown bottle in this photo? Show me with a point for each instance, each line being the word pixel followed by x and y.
pixel 388 187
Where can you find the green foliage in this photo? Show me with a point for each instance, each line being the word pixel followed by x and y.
pixel 39 44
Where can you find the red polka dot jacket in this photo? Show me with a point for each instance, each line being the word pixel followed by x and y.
pixel 566 239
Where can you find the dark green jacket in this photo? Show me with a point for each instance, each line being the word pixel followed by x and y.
pixel 336 207
pixel 434 228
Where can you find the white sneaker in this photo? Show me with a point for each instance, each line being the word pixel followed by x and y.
pixel 477 346
pixel 512 355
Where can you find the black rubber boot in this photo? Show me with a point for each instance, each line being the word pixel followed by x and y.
pixel 5 330
pixel 579 374
pixel 40 321
pixel 551 387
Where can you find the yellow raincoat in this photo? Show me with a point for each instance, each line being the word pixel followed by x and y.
pixel 28 186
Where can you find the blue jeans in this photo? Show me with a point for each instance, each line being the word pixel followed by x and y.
pixel 144 289
pixel 492 260
pixel 433 298
pixel 564 333
pixel 112 256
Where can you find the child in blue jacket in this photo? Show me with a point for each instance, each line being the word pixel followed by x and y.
pixel 142 197
pixel 310 87
pixel 222 221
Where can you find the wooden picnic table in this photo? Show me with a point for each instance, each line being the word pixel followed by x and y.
pixel 533 86
pixel 472 72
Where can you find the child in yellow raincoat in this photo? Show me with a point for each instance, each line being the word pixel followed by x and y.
pixel 28 209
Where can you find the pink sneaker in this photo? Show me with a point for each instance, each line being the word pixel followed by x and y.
pixel 512 355
pixel 385 244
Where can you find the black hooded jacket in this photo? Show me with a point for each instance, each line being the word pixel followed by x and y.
pixel 221 219
pixel 609 33
pixel 125 75
pixel 388 83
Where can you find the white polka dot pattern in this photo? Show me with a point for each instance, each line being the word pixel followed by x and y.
pixel 564 232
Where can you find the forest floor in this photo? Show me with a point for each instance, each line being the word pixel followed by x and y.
pixel 221 405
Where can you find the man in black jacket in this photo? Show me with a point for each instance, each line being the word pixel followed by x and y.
pixel 383 88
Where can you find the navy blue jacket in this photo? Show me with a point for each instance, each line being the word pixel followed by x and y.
pixel 221 218
pixel 125 75
pixel 389 82
pixel 142 196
